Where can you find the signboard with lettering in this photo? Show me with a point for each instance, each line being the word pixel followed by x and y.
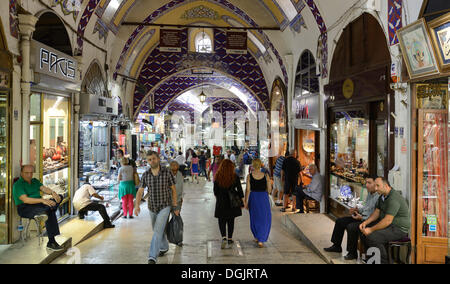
pixel 236 42
pixel 170 41
pixel 54 63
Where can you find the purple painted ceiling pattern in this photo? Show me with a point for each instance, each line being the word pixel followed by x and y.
pixel 84 21
pixel 323 39
pixel 161 66
pixel 177 3
pixel 175 86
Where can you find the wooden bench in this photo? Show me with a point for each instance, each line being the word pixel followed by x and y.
pixel 312 206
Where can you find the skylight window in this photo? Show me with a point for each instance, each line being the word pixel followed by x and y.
pixel 288 8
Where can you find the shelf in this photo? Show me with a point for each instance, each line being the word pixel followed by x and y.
pixel 55 170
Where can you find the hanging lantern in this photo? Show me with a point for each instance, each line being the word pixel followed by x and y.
pixel 202 97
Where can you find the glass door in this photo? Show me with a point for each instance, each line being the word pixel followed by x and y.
pixel 432 187
pixel 4 166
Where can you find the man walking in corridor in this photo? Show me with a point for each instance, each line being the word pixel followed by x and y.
pixel 162 199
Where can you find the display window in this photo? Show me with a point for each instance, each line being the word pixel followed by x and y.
pixel 433 169
pixel 349 160
pixel 50 145
pixel 306 150
pixel 4 165
pixel 94 146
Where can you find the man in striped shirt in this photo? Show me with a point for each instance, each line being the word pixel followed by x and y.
pixel 162 200
pixel 278 183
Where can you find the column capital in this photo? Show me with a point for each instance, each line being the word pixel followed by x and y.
pixel 27 24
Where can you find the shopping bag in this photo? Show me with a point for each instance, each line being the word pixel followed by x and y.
pixel 272 203
pixel 174 230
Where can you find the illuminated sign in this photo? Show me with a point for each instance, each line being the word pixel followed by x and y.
pixel 53 63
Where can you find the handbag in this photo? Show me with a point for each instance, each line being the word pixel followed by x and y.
pixel 235 200
pixel 136 179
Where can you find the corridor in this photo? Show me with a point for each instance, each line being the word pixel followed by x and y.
pixel 129 242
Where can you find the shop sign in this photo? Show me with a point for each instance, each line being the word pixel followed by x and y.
pixel 4 80
pixel 348 88
pixel 170 41
pixel 432 96
pixel 306 112
pixel 236 42
pixel 53 63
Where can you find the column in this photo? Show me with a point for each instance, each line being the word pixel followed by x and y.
pixel 27 25
pixel 289 62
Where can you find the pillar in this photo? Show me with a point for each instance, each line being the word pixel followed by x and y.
pixel 27 25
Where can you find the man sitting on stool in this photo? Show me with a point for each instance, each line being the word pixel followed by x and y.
pixel 313 191
pixel 352 223
pixel 30 205
pixel 390 221
pixel 82 203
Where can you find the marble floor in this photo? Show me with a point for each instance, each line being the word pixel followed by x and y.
pixel 129 242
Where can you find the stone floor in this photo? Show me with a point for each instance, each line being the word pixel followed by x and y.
pixel 129 242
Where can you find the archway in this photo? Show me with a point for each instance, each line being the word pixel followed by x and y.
pixel 51 31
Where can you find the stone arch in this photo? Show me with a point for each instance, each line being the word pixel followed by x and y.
pixel 51 31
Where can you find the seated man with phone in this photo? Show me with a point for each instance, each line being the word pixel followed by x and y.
pixel 351 224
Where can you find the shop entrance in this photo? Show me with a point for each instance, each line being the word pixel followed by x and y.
pixel 5 118
pixel 360 128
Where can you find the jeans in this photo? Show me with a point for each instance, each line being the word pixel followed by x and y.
pixel 381 238
pixel 159 241
pixel 29 211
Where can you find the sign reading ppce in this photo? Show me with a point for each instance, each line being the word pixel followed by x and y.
pixel 53 63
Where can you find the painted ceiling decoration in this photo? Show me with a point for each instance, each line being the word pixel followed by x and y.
pixel 200 12
pixel 13 20
pixel 178 3
pixel 323 38
pixel 85 18
pixel 168 91
pixel 394 19
pixel 244 70
pixel 69 7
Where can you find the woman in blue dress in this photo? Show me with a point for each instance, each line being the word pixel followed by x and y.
pixel 258 204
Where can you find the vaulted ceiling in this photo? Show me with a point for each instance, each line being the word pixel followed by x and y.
pixel 135 51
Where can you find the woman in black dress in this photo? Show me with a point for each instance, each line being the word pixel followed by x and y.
pixel 226 180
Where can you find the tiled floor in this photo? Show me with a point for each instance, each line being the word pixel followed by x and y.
pixel 129 242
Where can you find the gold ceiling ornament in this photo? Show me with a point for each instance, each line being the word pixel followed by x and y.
pixel 201 12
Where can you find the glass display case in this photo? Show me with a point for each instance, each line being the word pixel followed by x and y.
pixel 349 160
pixel 50 145
pixel 4 167
pixel 94 147
pixel 433 185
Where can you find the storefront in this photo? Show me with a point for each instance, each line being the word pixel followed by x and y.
pixel 278 124
pixel 5 120
pixel 306 108
pixel 51 122
pixel 429 84
pixel 358 107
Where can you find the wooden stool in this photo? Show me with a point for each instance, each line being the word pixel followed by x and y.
pixel 406 242
pixel 312 206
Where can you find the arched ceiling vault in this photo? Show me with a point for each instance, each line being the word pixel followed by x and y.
pixel 135 52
